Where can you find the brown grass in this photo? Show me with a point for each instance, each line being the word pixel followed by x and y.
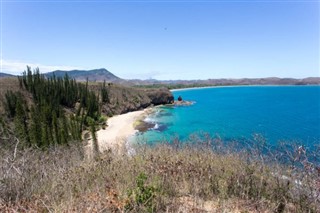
pixel 162 178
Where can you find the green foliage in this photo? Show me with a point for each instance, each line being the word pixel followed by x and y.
pixel 102 119
pixel 143 195
pixel 47 122
pixel 10 103
pixel 17 110
pixel 21 120
pixel 104 93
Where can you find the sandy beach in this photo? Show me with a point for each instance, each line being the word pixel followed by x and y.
pixel 120 127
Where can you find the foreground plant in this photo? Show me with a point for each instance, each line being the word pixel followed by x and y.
pixel 203 176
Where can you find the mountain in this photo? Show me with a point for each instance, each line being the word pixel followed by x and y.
pixel 99 75
pixel 231 81
pixel 5 75
pixel 82 75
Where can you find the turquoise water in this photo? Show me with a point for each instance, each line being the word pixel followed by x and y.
pixel 277 113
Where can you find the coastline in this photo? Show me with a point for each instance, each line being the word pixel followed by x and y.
pixel 190 88
pixel 119 129
pixel 208 87
pixel 253 85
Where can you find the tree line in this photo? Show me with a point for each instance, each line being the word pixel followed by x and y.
pixel 61 109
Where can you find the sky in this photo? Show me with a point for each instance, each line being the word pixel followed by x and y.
pixel 165 40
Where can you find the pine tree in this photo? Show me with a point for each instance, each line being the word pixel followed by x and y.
pixel 20 120
pixel 35 128
pixel 104 93
pixel 64 130
pixel 95 144
pixel 10 103
pixel 47 123
pixel 55 132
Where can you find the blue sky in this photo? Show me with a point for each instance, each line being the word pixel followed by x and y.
pixel 163 39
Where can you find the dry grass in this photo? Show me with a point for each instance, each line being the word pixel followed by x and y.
pixel 163 178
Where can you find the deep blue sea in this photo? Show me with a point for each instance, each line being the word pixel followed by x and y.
pixel 277 113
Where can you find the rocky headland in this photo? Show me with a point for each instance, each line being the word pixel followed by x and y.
pixel 128 99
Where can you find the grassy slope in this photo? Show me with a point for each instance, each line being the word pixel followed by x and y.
pixel 161 178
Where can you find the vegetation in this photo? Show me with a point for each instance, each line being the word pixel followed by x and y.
pixel 42 170
pixel 45 111
pixel 46 121
pixel 197 176
pixel 104 93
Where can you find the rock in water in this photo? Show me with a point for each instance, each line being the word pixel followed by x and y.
pixel 183 103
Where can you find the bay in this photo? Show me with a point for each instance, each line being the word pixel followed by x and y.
pixel 276 113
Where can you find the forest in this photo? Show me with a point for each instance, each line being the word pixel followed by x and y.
pixel 62 108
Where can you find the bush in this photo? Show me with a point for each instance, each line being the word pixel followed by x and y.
pixel 142 196
pixel 164 177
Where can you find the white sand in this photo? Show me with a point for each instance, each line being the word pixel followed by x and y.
pixel 120 127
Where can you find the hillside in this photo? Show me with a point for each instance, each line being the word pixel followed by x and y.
pixel 63 109
pixel 96 75
pixel 205 176
pixel 5 75
pixel 122 99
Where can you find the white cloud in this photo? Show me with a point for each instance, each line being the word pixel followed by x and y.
pixel 17 67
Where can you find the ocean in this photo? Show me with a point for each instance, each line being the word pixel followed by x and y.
pixel 274 113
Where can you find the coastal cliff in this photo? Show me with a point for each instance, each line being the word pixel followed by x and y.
pixel 160 96
pixel 127 99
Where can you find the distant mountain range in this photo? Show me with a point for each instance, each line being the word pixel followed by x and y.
pixel 4 75
pixel 99 75
pixel 249 81
pixel 230 81
pixel 92 75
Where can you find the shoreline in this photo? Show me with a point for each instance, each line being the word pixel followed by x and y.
pixel 253 85
pixel 119 129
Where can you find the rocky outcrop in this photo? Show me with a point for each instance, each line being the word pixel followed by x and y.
pixel 160 96
pixel 183 103
pixel 128 99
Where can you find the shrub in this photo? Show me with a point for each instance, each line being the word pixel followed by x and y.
pixel 143 196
